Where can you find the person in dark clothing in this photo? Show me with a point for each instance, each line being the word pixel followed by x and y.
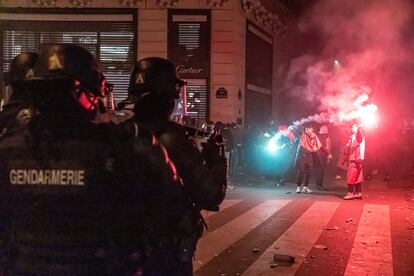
pixel 154 87
pixel 75 199
pixel 307 157
pixel 235 152
pixel 17 108
pixel 285 147
pixel 249 147
pixel 324 156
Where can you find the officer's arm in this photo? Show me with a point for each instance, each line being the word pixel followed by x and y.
pixel 204 178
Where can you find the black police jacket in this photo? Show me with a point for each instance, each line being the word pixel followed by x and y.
pixel 76 200
pixel 203 175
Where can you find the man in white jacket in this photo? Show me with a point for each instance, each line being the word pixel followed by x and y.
pixel 356 154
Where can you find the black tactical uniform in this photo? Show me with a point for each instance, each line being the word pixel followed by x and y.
pixel 154 86
pixel 75 198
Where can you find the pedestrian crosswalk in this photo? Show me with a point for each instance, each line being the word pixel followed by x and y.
pixel 224 205
pixel 215 242
pixel 364 246
pixel 296 241
pixel 372 243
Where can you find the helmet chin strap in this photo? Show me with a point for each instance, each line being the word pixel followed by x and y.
pixel 86 99
pixel 149 109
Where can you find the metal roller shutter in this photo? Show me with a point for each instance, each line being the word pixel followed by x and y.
pixel 108 34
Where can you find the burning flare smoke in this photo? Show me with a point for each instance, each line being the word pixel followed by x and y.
pixel 360 53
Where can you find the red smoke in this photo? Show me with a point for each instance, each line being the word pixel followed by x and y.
pixel 365 55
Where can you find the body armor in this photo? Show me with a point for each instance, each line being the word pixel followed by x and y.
pixel 204 175
pixel 154 86
pixel 76 198
pixel 72 203
pixel 204 187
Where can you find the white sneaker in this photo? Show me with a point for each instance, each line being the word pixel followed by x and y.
pixel 338 177
pixel 306 190
pixel 358 196
pixel 349 196
pixel 298 189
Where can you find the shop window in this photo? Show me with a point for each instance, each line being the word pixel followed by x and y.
pixel 189 50
pixel 110 35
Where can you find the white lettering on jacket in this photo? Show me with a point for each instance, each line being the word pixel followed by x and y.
pixel 47 177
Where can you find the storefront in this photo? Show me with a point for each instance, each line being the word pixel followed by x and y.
pixel 225 49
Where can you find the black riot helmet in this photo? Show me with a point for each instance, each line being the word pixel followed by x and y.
pixel 21 68
pixel 153 88
pixel 156 76
pixel 67 70
pixel 71 61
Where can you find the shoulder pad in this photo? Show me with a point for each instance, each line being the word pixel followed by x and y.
pixel 24 116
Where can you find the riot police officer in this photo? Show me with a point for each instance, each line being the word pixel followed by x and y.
pixel 17 109
pixel 75 199
pixel 154 87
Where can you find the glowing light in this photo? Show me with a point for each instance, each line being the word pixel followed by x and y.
pixel 337 64
pixel 272 146
pixel 369 116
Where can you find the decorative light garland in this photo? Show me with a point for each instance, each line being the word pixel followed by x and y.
pixel 167 3
pixel 80 3
pixel 266 18
pixel 44 3
pixel 216 3
pixel 130 3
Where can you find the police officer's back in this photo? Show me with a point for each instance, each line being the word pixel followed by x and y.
pixel 73 196
pixel 154 87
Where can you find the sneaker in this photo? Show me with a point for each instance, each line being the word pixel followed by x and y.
pixel 298 189
pixel 349 196
pixel 338 177
pixel 306 190
pixel 322 188
pixel 358 196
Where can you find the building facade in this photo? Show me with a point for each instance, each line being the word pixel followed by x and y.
pixel 229 51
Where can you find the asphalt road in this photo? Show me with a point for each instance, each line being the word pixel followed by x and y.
pixel 324 233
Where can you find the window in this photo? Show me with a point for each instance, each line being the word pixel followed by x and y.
pixel 259 66
pixel 189 50
pixel 110 35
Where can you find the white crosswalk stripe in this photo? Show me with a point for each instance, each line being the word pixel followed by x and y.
pixel 224 205
pixel 371 253
pixel 297 241
pixel 372 249
pixel 215 242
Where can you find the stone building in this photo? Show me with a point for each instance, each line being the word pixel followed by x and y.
pixel 231 52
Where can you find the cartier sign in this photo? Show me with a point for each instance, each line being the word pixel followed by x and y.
pixel 181 69
pixel 191 71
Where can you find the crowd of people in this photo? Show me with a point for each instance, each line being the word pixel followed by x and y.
pixel 310 150
pixel 84 196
